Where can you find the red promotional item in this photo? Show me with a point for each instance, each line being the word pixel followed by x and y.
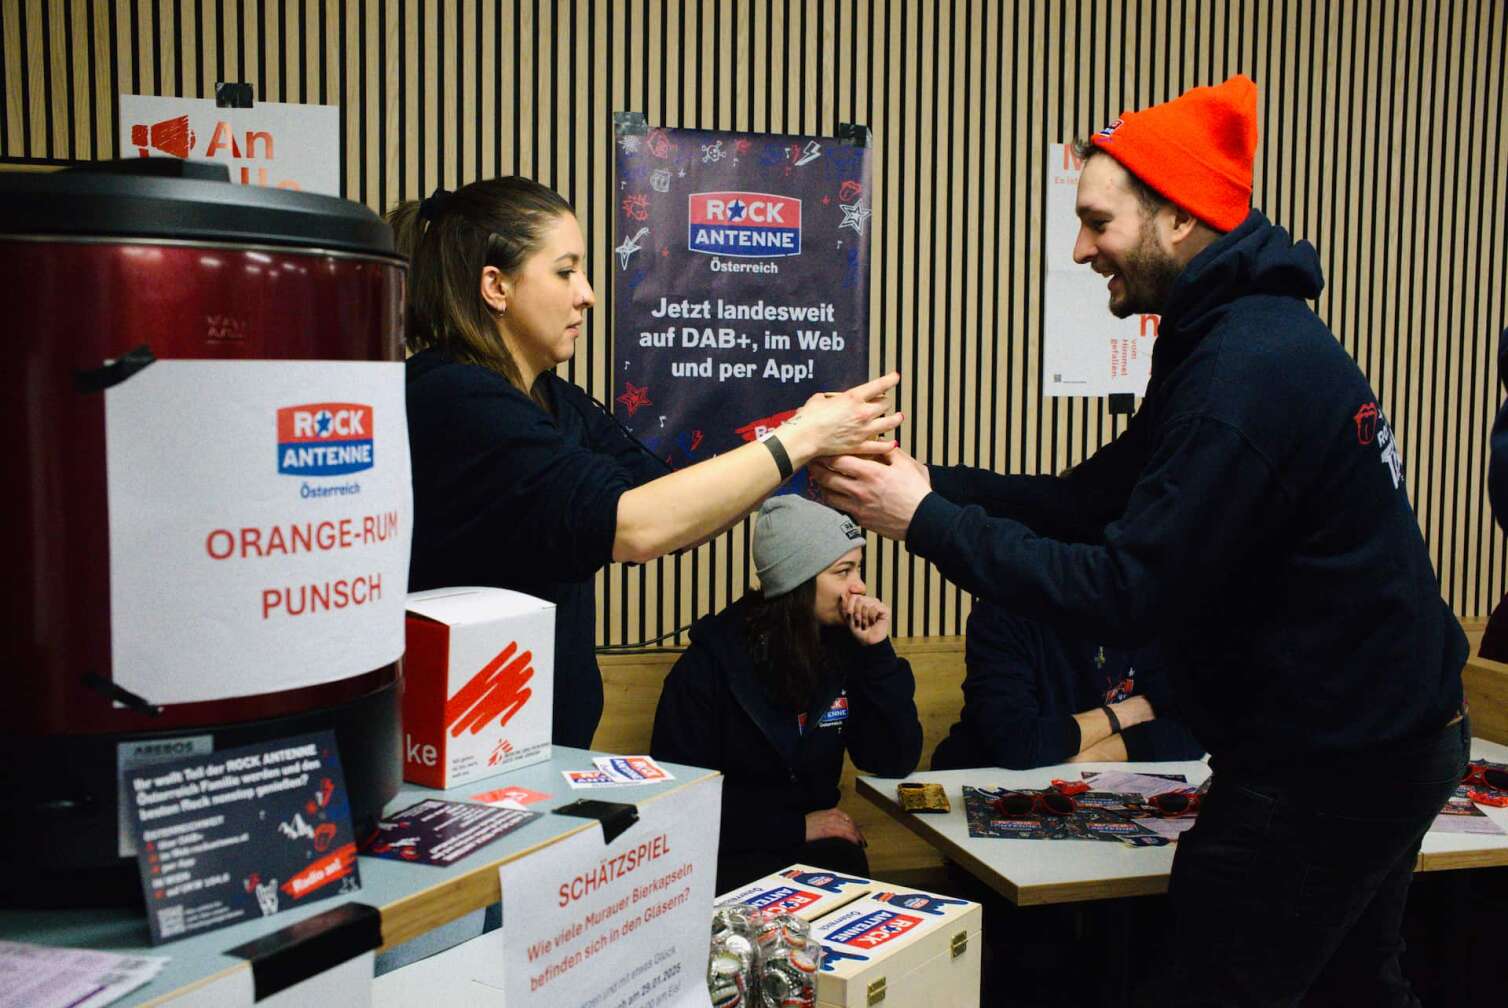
pixel 479 672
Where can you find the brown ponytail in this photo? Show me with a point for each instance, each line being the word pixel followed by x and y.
pixel 494 222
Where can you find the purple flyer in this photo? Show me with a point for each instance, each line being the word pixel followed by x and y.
pixel 435 832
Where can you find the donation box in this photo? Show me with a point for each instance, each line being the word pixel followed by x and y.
pixel 479 673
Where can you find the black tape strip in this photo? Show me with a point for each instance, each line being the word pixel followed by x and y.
pixel 308 948
pixel 630 122
pixel 1122 403
pixel 115 372
pixel 615 817
pixel 120 694
pixel 233 95
pixel 856 134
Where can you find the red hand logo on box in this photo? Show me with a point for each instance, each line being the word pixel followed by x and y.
pixel 500 690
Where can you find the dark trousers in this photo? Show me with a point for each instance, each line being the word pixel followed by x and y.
pixel 739 868
pixel 1297 882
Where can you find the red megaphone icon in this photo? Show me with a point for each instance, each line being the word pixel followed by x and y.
pixel 171 136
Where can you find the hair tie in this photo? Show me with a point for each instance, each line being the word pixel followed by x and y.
pixel 433 205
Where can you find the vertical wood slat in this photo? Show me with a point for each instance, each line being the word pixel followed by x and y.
pixel 1389 157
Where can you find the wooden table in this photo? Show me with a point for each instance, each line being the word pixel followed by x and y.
pixel 412 899
pixel 1036 872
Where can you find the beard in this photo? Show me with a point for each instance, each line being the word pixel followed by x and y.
pixel 1147 276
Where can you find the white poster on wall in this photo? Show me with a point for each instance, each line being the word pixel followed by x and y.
pixel 276 144
pixel 618 924
pixel 1087 351
pixel 260 514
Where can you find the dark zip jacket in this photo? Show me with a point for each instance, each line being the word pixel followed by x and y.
pixel 1497 464
pixel 508 495
pixel 1252 519
pixel 715 712
pixel 1025 683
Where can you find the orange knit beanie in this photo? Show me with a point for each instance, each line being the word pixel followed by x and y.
pixel 1197 150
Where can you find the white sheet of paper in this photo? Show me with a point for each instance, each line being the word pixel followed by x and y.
pixel 1130 782
pixel 42 976
pixel 230 578
pixel 1086 350
pixel 591 923
pixel 279 144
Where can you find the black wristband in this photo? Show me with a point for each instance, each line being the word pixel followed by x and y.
pixel 1115 722
pixel 782 460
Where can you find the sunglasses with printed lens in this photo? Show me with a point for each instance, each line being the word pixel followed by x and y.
pixel 1020 803
pixel 1487 776
pixel 1174 803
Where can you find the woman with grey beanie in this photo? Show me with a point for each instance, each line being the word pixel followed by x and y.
pixel 775 688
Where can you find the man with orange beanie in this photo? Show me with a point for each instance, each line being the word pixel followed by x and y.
pixel 1254 521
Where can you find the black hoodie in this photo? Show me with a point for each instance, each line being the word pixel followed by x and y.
pixel 510 495
pixel 1252 518
pixel 714 712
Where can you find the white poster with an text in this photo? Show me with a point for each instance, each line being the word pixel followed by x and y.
pixel 1086 351
pixel 277 144
pixel 260 515
pixel 612 925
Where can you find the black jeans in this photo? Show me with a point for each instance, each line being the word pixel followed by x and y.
pixel 1298 881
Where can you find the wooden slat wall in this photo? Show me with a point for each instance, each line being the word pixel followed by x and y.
pixel 1382 143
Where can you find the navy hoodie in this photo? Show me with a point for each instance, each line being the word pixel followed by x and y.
pixel 510 495
pixel 1252 519
pixel 715 712
pixel 1025 683
pixel 1497 467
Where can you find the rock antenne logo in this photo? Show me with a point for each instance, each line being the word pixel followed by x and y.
pixel 874 929
pixel 749 225
pixel 324 439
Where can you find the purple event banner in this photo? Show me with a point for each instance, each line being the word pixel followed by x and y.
pixel 741 281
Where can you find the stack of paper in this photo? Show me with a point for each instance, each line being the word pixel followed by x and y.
pixel 40 976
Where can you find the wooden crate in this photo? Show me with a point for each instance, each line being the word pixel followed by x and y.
pixel 893 949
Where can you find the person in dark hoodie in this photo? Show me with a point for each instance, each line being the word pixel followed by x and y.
pixel 776 687
pixel 521 480
pixel 1253 520
pixel 1036 697
pixel 1495 638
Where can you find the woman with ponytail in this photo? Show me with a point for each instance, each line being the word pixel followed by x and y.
pixel 520 479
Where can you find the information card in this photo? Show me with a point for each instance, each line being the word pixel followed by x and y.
pixel 242 833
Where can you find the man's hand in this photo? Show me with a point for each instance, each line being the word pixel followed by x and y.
pixel 832 823
pixel 881 496
pixel 868 618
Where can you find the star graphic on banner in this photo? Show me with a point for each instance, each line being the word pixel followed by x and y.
pixel 630 246
pixel 854 215
pixel 736 210
pixel 634 397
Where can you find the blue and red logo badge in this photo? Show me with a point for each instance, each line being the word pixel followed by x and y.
pixel 782 899
pixel 324 439
pixel 822 880
pixel 750 225
pixel 836 714
pixel 924 902
pixel 874 929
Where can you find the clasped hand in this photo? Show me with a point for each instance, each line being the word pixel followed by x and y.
pixel 880 495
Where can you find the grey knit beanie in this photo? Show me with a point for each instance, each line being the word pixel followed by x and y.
pixel 796 539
